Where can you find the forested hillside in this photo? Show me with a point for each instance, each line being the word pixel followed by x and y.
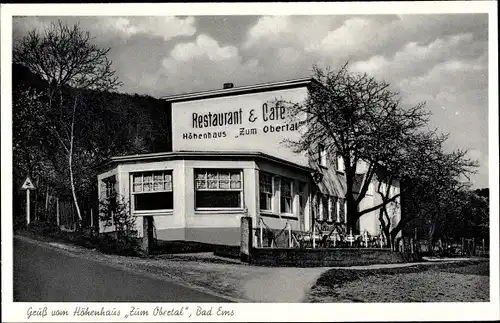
pixel 107 124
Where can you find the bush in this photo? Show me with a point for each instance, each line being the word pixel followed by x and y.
pixel 173 247
pixel 122 241
pixel 19 223
pixel 124 245
pixel 86 237
pixel 44 229
pixel 115 213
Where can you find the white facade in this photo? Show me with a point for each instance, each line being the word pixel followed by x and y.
pixel 230 159
pixel 216 224
pixel 249 123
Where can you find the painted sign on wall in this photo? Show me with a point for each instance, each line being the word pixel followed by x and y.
pixel 249 122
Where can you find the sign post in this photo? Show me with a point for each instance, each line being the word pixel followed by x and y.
pixel 28 185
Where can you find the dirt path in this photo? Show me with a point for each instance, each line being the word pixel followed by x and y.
pixel 283 285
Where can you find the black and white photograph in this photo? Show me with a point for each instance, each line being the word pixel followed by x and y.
pixel 170 163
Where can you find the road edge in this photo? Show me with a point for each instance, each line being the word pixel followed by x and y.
pixel 170 278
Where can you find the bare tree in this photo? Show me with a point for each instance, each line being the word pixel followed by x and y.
pixel 358 119
pixel 361 121
pixel 67 60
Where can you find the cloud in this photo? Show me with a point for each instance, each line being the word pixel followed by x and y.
pixel 375 64
pixel 413 58
pixel 163 27
pixel 203 46
pixel 124 28
pixel 355 34
pixel 29 23
pixel 22 25
pixel 289 54
pixel 111 27
pixel 456 93
pixel 268 27
pixel 441 59
pixel 360 37
pixel 213 64
pixel 462 75
pixel 289 31
pixel 482 175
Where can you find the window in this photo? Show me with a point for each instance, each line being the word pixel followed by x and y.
pixel 322 155
pixel 324 206
pixel 345 210
pixel 218 188
pixel 337 209
pixel 108 187
pixel 266 191
pixel 332 214
pixel 152 191
pixel 277 194
pixel 322 201
pixel 340 164
pixel 286 196
pixel 302 198
pixel 315 206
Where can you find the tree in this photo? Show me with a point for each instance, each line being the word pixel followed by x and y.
pixel 430 179
pixel 28 159
pixel 65 58
pixel 360 120
pixel 460 213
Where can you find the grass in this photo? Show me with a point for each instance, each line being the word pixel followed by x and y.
pixel 457 281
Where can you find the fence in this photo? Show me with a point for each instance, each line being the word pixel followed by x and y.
pixel 266 237
pixel 62 212
pixel 66 217
pixel 270 247
pixel 263 245
pixel 465 247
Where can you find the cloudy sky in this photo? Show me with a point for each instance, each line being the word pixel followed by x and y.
pixel 440 59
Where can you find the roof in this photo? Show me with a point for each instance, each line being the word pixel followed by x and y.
pixel 263 87
pixel 201 154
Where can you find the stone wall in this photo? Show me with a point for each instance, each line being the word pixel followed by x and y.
pixel 340 257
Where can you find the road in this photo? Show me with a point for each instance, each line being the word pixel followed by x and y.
pixel 45 274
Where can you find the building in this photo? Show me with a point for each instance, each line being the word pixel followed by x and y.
pixel 229 159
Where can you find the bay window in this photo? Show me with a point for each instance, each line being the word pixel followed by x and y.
pixel 218 188
pixel 152 191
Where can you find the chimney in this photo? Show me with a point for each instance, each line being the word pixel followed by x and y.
pixel 228 85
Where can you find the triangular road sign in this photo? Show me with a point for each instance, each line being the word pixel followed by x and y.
pixel 28 184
